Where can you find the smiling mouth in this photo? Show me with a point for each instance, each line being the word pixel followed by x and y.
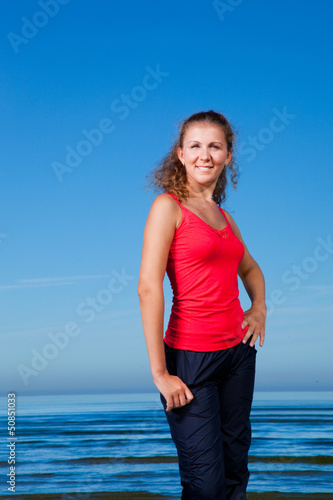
pixel 204 169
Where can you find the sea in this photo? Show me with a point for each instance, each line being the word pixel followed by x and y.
pixel 118 446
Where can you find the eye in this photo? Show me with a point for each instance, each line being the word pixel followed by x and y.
pixel 214 146
pixel 195 146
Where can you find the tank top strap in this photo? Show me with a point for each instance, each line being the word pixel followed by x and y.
pixel 175 198
pixel 185 219
pixel 226 219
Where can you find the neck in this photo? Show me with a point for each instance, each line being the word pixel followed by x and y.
pixel 200 191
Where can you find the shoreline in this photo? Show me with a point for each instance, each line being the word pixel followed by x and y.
pixel 143 495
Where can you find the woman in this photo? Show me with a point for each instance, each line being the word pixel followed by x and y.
pixel 204 367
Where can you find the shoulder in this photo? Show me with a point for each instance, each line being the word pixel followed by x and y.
pixel 165 198
pixel 165 207
pixel 165 202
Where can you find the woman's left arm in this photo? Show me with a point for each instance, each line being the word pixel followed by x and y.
pixel 254 283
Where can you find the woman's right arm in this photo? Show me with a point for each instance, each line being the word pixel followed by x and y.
pixel 158 234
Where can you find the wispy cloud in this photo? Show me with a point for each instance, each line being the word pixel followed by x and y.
pixel 38 331
pixel 124 313
pixel 318 290
pixel 27 334
pixel 55 281
pixel 305 310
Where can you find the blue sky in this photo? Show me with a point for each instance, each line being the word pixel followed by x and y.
pixel 91 95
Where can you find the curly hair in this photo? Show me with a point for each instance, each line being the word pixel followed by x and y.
pixel 170 175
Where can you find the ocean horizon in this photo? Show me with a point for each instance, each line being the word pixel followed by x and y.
pixel 108 446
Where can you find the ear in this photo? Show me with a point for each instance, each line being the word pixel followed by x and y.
pixel 229 157
pixel 180 155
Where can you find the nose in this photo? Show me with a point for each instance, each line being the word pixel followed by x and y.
pixel 204 154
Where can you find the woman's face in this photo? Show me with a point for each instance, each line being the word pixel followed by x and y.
pixel 204 153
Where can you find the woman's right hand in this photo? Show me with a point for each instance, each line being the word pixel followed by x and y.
pixel 173 389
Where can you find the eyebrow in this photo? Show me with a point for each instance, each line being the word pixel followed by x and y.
pixel 212 142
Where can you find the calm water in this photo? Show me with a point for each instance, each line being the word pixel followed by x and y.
pixel 95 443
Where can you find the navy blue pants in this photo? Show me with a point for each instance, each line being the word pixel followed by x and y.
pixel 212 434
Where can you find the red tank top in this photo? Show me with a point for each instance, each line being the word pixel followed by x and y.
pixel 202 266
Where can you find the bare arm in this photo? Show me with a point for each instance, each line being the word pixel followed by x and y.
pixel 160 227
pixel 254 284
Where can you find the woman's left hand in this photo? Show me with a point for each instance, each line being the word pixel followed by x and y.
pixel 255 317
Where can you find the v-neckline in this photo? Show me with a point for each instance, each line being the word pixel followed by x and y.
pixel 206 223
